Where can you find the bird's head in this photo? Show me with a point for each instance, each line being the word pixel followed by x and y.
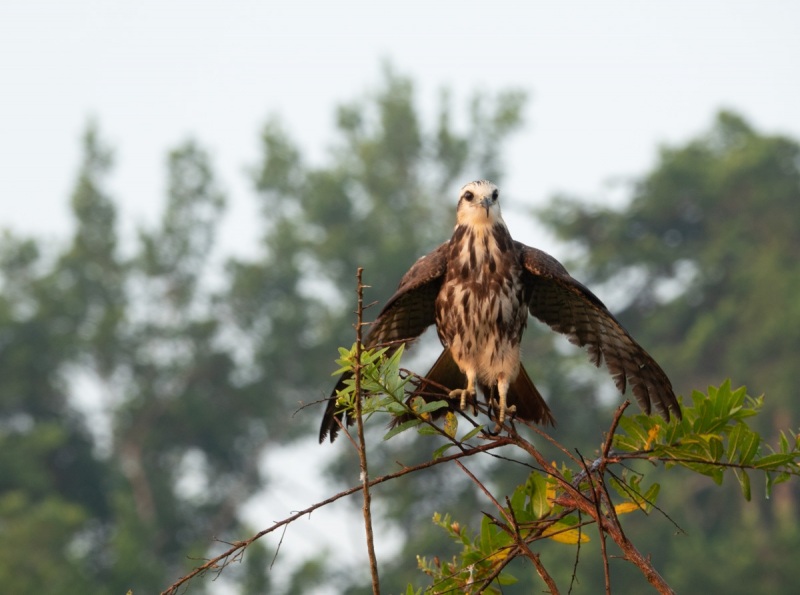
pixel 478 204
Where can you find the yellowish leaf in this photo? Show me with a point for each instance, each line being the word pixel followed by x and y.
pixel 651 436
pixel 552 487
pixel 499 556
pixel 563 533
pixel 627 507
pixel 450 424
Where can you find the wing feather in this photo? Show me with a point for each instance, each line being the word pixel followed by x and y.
pixel 402 320
pixel 570 308
pixel 411 309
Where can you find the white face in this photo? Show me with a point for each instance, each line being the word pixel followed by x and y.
pixel 478 204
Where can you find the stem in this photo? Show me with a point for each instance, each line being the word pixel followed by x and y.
pixel 610 526
pixel 596 500
pixel 362 451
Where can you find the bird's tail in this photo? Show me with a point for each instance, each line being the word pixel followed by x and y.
pixel 445 375
pixel 330 425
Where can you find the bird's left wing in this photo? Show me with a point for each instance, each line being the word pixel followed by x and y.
pixel 570 308
pixel 403 319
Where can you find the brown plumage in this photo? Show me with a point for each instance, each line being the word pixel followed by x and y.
pixel 478 289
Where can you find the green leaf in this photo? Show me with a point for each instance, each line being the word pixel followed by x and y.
pixel 399 428
pixel 472 433
pixel 427 430
pixel 439 452
pixel 744 482
pixel 775 461
pixel 537 492
pixel 432 406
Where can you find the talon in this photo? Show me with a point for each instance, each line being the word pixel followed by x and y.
pixel 462 393
pixel 502 412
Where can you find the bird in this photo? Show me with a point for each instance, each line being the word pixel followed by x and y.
pixel 478 288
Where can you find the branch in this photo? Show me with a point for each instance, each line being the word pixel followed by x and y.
pixel 608 524
pixel 599 513
pixel 222 560
pixel 362 449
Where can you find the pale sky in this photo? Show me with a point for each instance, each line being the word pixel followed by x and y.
pixel 608 82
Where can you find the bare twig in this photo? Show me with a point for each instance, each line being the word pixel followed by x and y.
pixel 362 450
pixel 612 430
pixel 597 502
pixel 225 557
pixel 482 487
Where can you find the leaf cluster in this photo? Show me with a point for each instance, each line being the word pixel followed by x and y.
pixel 714 437
pixel 559 502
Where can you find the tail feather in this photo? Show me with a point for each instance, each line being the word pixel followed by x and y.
pixel 529 402
pixel 445 375
pixel 330 425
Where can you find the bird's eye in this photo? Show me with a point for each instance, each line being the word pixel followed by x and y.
pixel 468 196
pixel 495 194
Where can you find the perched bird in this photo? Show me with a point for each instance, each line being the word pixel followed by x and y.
pixel 478 289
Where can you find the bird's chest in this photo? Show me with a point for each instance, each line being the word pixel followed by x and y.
pixel 482 299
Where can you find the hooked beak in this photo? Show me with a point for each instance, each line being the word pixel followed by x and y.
pixel 486 203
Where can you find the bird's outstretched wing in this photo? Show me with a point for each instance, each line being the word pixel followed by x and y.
pixel 570 308
pixel 403 319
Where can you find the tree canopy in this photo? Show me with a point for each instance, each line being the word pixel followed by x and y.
pixel 140 386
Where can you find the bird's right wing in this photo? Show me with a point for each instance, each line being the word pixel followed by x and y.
pixel 403 319
pixel 568 307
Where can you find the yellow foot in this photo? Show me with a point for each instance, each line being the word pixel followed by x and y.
pixel 462 393
pixel 502 412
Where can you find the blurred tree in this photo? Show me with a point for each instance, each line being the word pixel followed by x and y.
pixel 189 382
pixel 136 400
pixel 385 196
pixel 53 490
pixel 135 341
pixel 714 257
pixel 705 259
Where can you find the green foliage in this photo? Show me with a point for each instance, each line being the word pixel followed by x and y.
pixel 379 374
pixel 713 437
pixel 477 560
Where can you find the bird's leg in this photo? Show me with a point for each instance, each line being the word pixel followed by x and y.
pixel 465 392
pixel 502 397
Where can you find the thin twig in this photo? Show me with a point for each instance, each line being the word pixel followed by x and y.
pixel 362 449
pixel 223 559
pixel 612 430
pixel 512 529
pixel 611 527
pixel 482 487
pixel 533 557
pixel 596 499
pixel 636 494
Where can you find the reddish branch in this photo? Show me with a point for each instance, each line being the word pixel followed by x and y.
pixel 594 503
pixel 607 522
